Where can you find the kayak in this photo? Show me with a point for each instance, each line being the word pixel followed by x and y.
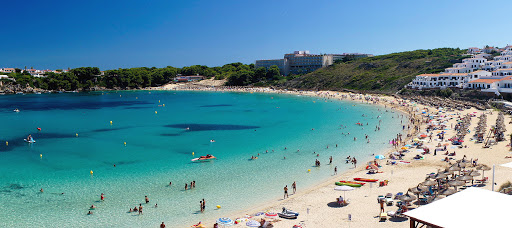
pixel 353 182
pixel 366 180
pixel 349 184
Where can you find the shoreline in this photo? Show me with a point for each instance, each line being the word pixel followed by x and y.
pixel 383 101
pixel 363 208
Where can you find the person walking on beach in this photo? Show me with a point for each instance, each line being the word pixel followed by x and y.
pixel 355 162
pixel 335 170
pixel 381 201
pixel 285 191
pixel 140 208
pixel 294 187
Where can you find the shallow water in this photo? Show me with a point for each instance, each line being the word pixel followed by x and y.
pixel 159 149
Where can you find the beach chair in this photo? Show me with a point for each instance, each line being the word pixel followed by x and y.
pixel 389 199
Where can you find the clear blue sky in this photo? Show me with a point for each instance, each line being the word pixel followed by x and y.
pixel 114 34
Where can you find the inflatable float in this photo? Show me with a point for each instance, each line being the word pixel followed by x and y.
pixel 348 184
pixel 366 180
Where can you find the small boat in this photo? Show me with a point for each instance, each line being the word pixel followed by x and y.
pixel 366 180
pixel 287 216
pixel 353 182
pixel 208 157
pixel 16 110
pixel 31 141
pixel 349 184
pixel 286 211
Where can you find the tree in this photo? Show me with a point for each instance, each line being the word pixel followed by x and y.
pixel 273 73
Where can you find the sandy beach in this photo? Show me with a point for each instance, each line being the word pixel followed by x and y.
pixel 317 205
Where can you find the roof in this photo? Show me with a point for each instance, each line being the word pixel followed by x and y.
pixel 481 71
pixel 508 63
pixel 491 80
pixel 442 75
pixel 473 207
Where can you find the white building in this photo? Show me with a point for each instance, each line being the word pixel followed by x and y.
pixel 303 62
pixel 481 71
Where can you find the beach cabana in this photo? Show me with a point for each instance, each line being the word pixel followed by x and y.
pixel 473 207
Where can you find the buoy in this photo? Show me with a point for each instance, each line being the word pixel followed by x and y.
pixel 6 143
pixel 39 129
pixel 119 95
pixel 163 105
pixel 158 101
pixel 309 170
pixel 192 153
pixel 218 206
pixel 125 143
pixel 136 97
pixel 156 112
pixel 111 122
pixel 76 134
pixel 91 172
pixel 41 155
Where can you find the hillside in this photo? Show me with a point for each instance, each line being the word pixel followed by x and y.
pixel 384 73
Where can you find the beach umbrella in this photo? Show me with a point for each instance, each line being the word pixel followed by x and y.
pixel 454 168
pixel 456 183
pixel 225 221
pixel 448 191
pixel 429 183
pixel 343 188
pixel 380 157
pixel 252 223
pixel 404 148
pixel 416 139
pixel 474 173
pixel 440 176
pixel 407 198
pixel 465 178
pixel 483 168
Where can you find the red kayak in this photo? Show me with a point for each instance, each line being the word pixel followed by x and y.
pixel 353 182
pixel 366 180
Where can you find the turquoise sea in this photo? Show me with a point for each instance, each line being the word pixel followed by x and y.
pixel 159 149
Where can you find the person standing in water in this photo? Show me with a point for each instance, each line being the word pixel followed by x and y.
pixel 140 208
pixel 146 198
pixel 102 197
pixel 186 185
pixel 330 160
pixel 335 170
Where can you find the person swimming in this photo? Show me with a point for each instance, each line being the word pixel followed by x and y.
pixel 29 138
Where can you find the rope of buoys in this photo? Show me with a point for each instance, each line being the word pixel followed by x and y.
pixel 91 172
pixel 163 105
pixel 6 143
pixel 192 153
pixel 158 101
pixel 41 155
pixel 156 112
pixel 125 143
pixel 76 134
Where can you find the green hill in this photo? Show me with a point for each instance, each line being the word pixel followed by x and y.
pixel 384 73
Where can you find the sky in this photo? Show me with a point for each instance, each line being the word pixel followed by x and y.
pixel 122 34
